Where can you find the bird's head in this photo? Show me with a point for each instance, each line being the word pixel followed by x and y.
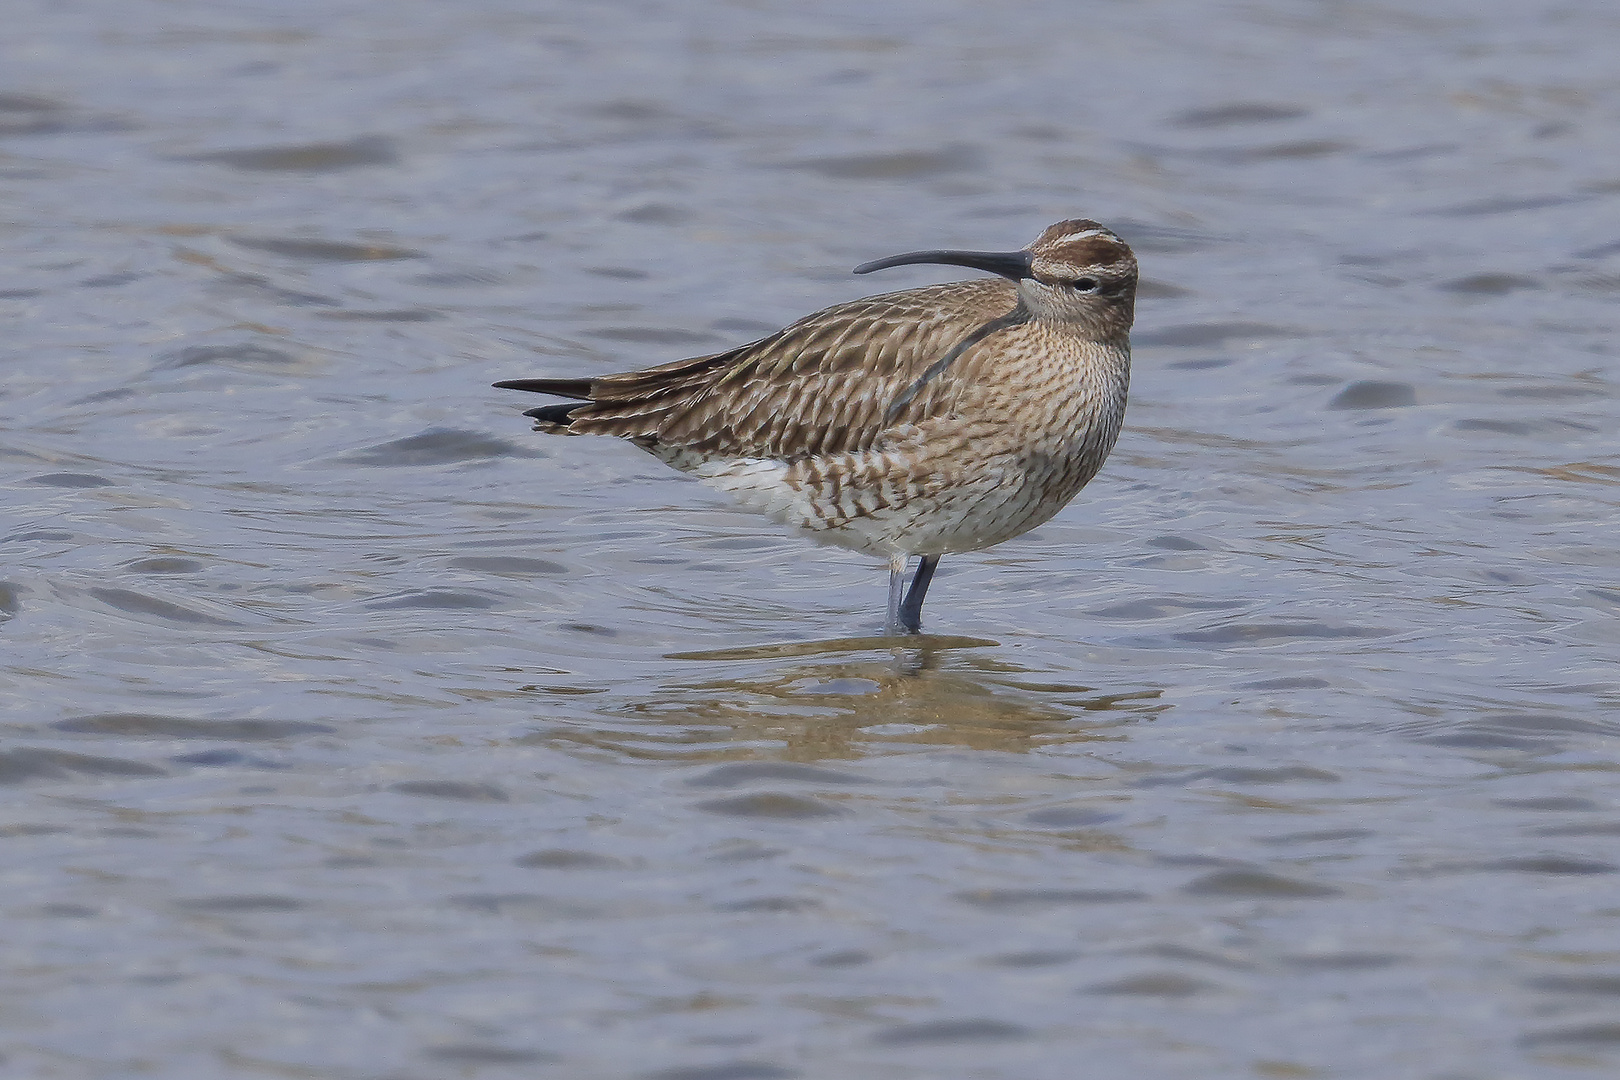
pixel 1077 271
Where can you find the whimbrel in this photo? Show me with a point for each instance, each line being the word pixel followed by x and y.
pixel 925 422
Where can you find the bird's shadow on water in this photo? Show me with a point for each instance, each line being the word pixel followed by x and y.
pixel 852 698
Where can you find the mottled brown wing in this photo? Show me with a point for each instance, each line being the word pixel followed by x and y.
pixel 822 385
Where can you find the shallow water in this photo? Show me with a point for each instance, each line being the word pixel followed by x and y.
pixel 352 731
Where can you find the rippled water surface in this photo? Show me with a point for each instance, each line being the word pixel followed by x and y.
pixel 352 731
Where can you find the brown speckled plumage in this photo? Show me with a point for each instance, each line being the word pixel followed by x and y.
pixel 935 420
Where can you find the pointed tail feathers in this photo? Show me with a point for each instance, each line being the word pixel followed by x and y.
pixel 553 419
pixel 578 389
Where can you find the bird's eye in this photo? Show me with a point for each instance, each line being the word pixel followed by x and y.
pixel 1085 284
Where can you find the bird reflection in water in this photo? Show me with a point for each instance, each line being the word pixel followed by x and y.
pixel 850 697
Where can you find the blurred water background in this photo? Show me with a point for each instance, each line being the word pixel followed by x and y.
pixel 351 731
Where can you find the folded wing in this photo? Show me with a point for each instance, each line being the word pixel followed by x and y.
pixel 831 382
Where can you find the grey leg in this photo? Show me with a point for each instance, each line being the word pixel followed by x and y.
pixel 897 581
pixel 911 607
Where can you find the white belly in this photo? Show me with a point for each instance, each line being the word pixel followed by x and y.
pixel 879 504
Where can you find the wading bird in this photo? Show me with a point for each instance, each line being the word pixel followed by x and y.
pixel 926 422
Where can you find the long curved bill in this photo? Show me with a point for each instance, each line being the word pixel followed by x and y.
pixel 1009 264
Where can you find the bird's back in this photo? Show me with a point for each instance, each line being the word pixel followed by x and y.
pixel 833 382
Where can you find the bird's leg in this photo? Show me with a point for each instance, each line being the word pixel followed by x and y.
pixel 897 581
pixel 911 607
